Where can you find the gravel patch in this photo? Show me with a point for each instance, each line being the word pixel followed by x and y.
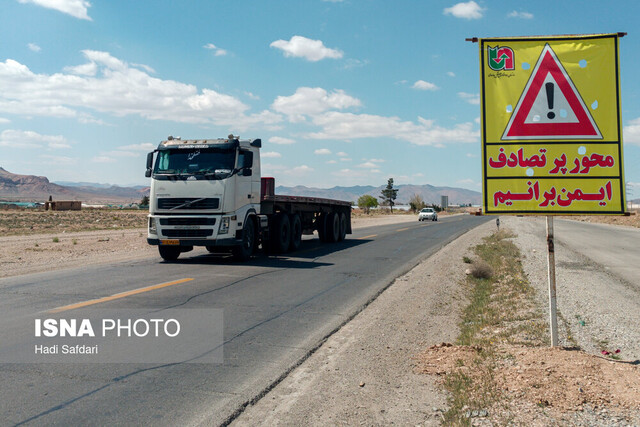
pixel 597 309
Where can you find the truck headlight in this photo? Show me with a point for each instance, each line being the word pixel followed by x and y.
pixel 152 226
pixel 224 225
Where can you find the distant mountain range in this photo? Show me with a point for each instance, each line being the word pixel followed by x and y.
pixel 33 188
pixel 430 194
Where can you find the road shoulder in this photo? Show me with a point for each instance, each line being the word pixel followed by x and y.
pixel 366 372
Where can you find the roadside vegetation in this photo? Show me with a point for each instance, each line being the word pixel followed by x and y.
pixel 501 311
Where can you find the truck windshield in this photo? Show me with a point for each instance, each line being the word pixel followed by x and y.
pixel 213 163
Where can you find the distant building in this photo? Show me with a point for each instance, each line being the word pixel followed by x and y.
pixel 63 205
pixel 444 202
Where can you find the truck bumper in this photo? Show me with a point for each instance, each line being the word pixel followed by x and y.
pixel 200 242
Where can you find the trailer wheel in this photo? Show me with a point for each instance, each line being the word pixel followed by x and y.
pixel 343 227
pixel 296 232
pixel 244 252
pixel 332 227
pixel 169 253
pixel 281 234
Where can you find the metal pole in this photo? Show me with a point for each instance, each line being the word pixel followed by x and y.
pixel 552 283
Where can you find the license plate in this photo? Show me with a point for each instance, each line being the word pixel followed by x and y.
pixel 170 242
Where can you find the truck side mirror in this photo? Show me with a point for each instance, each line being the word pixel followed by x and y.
pixel 149 165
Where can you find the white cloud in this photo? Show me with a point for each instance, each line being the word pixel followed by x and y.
pixel 216 50
pixel 145 146
pixel 75 8
pixel 88 69
pixel 368 165
pixel 342 154
pixel 522 15
pixel 299 170
pixel 471 98
pixel 302 47
pixel 34 47
pixel 270 155
pixel 322 151
pixel 471 155
pixel 631 132
pixel 312 101
pixel 145 67
pixel 30 139
pixel 103 159
pixel 451 74
pixel 281 141
pixel 4 120
pixel 468 10
pixel 59 160
pixel 422 85
pixel 120 90
pixel 348 126
pixel 352 63
pixel 251 95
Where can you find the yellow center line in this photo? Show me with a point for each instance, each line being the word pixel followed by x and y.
pixel 403 229
pixel 367 237
pixel 118 296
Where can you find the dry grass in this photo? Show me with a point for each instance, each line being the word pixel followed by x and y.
pixel 35 221
pixel 501 310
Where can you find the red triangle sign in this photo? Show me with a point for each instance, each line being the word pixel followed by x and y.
pixel 550 106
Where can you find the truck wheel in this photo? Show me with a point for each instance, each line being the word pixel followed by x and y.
pixel 244 252
pixel 332 227
pixel 343 227
pixel 169 253
pixel 281 233
pixel 296 232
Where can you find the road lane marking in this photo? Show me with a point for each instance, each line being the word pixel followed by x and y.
pixel 118 296
pixel 367 237
pixel 402 229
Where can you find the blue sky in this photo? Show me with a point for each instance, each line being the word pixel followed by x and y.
pixel 347 92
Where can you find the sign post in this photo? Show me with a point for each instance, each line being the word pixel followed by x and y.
pixel 551 130
pixel 553 316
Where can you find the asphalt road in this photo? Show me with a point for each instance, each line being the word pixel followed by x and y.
pixel 276 311
pixel 616 248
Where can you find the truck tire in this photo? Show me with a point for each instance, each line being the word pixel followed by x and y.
pixel 169 253
pixel 332 227
pixel 296 232
pixel 244 251
pixel 281 233
pixel 343 226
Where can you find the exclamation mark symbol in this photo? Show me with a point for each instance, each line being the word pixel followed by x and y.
pixel 549 88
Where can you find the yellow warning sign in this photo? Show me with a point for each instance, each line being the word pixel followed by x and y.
pixel 551 125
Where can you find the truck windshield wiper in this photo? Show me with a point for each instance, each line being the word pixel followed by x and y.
pixel 187 204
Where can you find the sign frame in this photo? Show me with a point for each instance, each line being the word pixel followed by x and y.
pixel 494 52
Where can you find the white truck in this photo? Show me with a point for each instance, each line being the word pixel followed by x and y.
pixel 209 192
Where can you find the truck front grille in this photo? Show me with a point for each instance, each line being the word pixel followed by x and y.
pixel 188 203
pixel 187 221
pixel 187 233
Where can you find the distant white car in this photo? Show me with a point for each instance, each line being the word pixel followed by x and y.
pixel 428 214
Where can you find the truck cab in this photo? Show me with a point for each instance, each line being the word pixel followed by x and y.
pixel 202 193
pixel 210 192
